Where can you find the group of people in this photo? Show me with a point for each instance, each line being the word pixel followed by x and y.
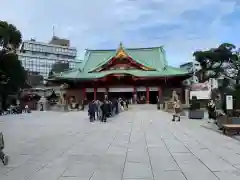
pixel 15 109
pixel 101 110
pixel 211 107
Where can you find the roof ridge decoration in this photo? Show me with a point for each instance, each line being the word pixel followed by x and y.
pixel 86 56
pixel 132 48
pixel 121 53
pixel 161 51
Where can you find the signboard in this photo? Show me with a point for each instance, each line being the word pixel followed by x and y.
pixel 229 102
pixel 200 94
pixel 200 87
pixel 141 89
pixel 153 88
pixel 89 90
pixel 200 90
pixel 121 89
pixel 101 89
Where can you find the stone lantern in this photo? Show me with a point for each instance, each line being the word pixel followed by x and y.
pixel 63 101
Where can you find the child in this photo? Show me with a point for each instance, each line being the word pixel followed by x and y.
pixel 3 157
pixel 177 110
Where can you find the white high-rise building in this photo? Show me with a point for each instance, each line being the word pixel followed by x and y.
pixel 40 57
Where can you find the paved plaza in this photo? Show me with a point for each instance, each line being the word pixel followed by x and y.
pixel 141 143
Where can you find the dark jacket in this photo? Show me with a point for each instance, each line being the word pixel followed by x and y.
pixel 1 141
pixel 92 108
pixel 122 103
pixel 212 112
pixel 104 107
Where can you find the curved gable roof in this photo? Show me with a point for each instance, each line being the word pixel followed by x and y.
pixel 151 57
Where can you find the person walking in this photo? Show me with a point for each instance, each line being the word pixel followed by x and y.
pixel 126 103
pixel 115 104
pixel 109 113
pixel 104 108
pixel 92 111
pixel 41 107
pixel 4 158
pixel 122 104
pixel 177 110
pixel 98 104
pixel 211 111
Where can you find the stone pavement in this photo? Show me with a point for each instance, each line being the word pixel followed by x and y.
pixel 141 143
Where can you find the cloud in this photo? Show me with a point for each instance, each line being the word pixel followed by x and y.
pixel 182 26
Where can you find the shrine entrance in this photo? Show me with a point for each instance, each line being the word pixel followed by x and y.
pixel 153 97
pixel 90 96
pixel 123 95
pixel 120 92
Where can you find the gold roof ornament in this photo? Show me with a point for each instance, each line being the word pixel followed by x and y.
pixel 121 45
pixel 121 53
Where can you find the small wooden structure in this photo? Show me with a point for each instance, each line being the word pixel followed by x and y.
pixel 231 129
pixel 229 125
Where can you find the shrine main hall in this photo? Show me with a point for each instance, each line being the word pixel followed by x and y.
pixel 141 73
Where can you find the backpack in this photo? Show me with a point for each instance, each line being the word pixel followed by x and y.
pixel 1 141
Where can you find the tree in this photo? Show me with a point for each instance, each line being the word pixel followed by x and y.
pixel 34 78
pixel 13 75
pixel 10 36
pixel 220 61
pixel 223 61
pixel 13 70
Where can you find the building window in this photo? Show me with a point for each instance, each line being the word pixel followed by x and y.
pixel 45 49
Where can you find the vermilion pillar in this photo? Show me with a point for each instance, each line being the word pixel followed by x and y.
pixel 159 92
pixel 134 90
pixel 95 94
pixel 83 94
pixel 147 95
pixel 134 95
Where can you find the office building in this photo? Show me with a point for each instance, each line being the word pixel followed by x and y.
pixel 40 57
pixel 59 41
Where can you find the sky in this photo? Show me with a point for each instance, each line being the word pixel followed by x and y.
pixel 181 26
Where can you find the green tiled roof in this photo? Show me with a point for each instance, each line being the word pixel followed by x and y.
pixel 150 57
pixel 70 74
pixel 79 65
pixel 168 72
pixel 93 58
